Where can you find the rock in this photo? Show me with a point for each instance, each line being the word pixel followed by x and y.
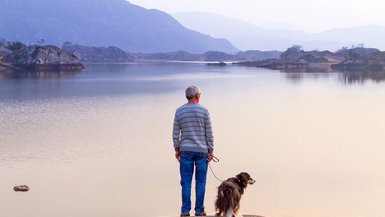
pixel 22 188
pixel 5 67
pixel 44 58
pixel 4 52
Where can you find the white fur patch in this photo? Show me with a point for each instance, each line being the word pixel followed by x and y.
pixel 229 212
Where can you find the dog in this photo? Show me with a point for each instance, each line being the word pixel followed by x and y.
pixel 230 192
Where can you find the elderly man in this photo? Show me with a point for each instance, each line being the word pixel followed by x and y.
pixel 193 144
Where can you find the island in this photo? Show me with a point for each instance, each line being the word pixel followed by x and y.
pixel 17 56
pixel 346 59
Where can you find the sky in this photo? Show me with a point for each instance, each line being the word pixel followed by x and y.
pixel 308 15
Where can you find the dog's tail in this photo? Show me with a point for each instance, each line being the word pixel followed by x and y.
pixel 225 200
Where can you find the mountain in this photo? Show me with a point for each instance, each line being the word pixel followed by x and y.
pixel 368 35
pixel 243 35
pixel 247 36
pixel 101 23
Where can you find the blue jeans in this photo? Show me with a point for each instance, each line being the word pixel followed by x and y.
pixel 187 161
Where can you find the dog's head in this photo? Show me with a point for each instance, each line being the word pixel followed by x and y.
pixel 245 178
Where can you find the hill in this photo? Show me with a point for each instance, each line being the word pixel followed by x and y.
pixel 101 23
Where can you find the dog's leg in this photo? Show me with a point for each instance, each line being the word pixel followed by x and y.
pixel 229 212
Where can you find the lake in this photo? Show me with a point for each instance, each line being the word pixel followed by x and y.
pixel 98 143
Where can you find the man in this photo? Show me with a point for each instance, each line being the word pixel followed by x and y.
pixel 193 144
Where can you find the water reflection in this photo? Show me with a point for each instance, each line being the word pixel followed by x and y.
pixel 296 77
pixel 342 77
pixel 125 79
pixel 312 69
pixel 37 74
pixel 362 77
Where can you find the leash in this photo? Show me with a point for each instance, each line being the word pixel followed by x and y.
pixel 215 160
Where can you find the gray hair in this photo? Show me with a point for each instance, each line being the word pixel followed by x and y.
pixel 192 91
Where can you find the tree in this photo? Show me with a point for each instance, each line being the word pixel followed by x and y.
pixel 16 45
pixel 41 41
pixel 292 53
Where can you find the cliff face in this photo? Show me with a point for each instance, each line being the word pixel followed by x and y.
pixel 101 23
pixel 43 58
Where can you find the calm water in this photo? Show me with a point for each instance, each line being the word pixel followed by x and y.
pixel 98 143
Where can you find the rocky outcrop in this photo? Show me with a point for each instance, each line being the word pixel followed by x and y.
pixel 43 58
pixel 88 54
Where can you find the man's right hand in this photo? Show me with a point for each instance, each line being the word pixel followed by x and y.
pixel 177 155
pixel 210 156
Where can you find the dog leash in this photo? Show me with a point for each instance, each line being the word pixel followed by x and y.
pixel 215 160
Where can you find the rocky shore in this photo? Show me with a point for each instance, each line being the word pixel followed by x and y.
pixel 42 58
pixel 5 67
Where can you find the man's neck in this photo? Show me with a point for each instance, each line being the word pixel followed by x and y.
pixel 192 101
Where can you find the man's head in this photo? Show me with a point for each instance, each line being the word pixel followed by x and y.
pixel 193 93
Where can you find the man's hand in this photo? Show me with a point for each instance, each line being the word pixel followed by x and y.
pixel 177 155
pixel 210 156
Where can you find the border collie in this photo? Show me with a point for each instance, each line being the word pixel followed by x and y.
pixel 230 192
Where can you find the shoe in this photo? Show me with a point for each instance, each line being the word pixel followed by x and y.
pixel 201 213
pixel 184 214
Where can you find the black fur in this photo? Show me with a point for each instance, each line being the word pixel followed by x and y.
pixel 230 192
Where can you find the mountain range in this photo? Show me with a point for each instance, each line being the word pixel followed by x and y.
pixel 101 23
pixel 247 36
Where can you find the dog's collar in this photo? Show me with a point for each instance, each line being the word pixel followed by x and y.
pixel 238 179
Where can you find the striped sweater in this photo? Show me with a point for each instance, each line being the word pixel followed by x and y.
pixel 192 129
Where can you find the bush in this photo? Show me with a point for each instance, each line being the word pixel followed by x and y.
pixel 292 53
pixel 14 46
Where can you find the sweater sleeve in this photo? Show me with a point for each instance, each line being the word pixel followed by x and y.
pixel 176 134
pixel 209 134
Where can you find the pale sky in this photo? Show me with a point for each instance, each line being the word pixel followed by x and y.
pixel 308 15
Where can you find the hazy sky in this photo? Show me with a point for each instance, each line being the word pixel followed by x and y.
pixel 308 15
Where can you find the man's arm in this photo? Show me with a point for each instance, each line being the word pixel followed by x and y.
pixel 209 135
pixel 176 137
